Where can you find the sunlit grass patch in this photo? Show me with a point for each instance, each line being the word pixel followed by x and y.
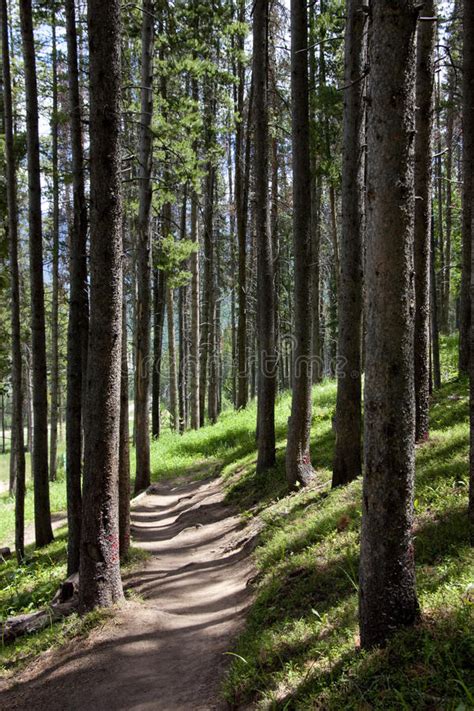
pixel 300 649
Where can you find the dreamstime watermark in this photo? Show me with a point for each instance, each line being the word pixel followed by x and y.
pixel 284 359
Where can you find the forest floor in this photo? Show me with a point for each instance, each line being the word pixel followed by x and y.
pixel 167 647
pixel 298 648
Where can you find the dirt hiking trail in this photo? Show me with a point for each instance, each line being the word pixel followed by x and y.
pixel 166 651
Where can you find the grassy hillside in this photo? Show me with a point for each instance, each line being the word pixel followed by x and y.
pixel 300 648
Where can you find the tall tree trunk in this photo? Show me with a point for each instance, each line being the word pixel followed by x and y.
pixel 426 38
pixel 17 450
pixel 182 319
pixel 440 196
pixel 159 307
pixel 207 301
pixel 347 458
pixel 241 212
pixel 298 457
pixel 387 568
pixel 233 285
pixel 43 530
pixel 317 370
pixel 435 357
pixel 77 336
pixel 468 159
pixel 213 396
pixel 143 324
pixel 53 443
pixel 124 447
pixel 265 276
pixel 449 212
pixel 172 358
pixel 468 184
pixel 99 580
pixel 195 311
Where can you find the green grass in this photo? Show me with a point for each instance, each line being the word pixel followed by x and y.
pixel 32 586
pixel 300 646
pixel 57 492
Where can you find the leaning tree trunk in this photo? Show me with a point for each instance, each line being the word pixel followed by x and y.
pixel 265 280
pixel 53 437
pixel 143 323
pixel 298 457
pixel 17 452
pixel 347 458
pixel 423 147
pixel 387 568
pixel 77 336
pixel 468 185
pixel 43 530
pixel 99 581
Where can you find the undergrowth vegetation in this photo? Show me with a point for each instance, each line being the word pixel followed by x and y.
pixel 300 648
pixel 31 587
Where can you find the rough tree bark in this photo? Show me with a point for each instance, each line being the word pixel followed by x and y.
pixel 317 370
pixel 468 122
pixel 241 222
pixel 208 307
pixel 347 457
pixel 195 325
pixel 182 331
pixel 468 184
pixel 172 358
pixel 426 38
pixel 387 571
pixel 435 356
pixel 53 437
pixel 77 336
pixel 159 307
pixel 143 322
pixel 265 277
pixel 99 580
pixel 17 453
pixel 124 448
pixel 449 210
pixel 298 458
pixel 43 530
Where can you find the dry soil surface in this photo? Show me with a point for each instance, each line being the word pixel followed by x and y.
pixel 168 650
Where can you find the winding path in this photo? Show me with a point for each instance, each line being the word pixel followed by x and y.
pixel 167 650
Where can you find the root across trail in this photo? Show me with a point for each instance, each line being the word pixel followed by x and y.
pixel 167 650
